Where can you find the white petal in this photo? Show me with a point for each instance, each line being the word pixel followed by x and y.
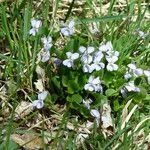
pixel 82 49
pixel 89 87
pixel 129 88
pixel 69 54
pixel 96 81
pixel 111 59
pixel 86 58
pixel 132 66
pixel 116 53
pixel 148 79
pixel 44 40
pixel 45 55
pixel 127 76
pixel 71 24
pixel 90 49
pixel 43 95
pixel 109 45
pixel 95 113
pixel 68 63
pixel 75 56
pixel 109 67
pixel 147 73
pixel 38 104
pixel 88 68
pixel 32 31
pixel 47 46
pixel 115 67
pixel 103 48
pixel 33 23
pixel 91 78
pixel 98 88
pixel 98 56
pixel 49 39
pixel 102 65
pixel 38 23
pixel 138 72
pixel 65 31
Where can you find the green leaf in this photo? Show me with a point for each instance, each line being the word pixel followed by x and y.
pixel 72 87
pixel 75 98
pixel 64 81
pixel 56 81
pixel 111 92
pixel 99 99
pixel 138 97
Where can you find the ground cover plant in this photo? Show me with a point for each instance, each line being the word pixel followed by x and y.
pixel 74 74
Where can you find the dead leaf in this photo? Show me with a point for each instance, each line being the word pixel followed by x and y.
pixel 23 109
pixel 39 85
pixel 40 71
pixel 28 141
pixel 125 110
pixel 128 116
pixel 106 116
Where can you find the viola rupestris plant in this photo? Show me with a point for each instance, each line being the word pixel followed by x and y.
pixel 86 76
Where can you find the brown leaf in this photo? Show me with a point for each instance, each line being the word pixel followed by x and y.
pixel 28 141
pixel 23 109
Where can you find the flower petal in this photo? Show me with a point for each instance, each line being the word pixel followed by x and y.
pixel 42 95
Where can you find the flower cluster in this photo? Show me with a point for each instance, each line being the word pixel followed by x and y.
pixel 45 52
pixel 94 60
pixel 39 103
pixel 133 71
pixel 94 84
pixel 111 56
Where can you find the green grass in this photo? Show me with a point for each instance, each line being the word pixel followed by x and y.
pixel 19 60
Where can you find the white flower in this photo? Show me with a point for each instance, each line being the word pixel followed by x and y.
pixel 86 58
pixel 47 41
pixel 112 57
pixel 71 57
pixel 142 34
pixel 68 30
pixel 94 84
pixel 127 76
pixel 36 24
pixel 39 102
pixel 88 68
pixel 132 66
pixel 98 66
pixel 87 103
pixel 131 87
pixel 98 56
pixel 44 55
pixel 112 67
pixel 106 47
pixel 95 113
pixel 138 72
